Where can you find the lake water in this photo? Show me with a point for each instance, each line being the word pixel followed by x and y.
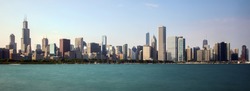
pixel 124 77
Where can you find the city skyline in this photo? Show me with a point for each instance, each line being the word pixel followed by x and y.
pixel 231 19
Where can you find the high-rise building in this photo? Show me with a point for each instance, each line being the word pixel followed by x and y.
pixel 205 42
pixel 181 49
pixel 64 46
pixel 28 50
pixel 207 54
pixel 134 53
pixel 189 54
pixel 172 48
pixel 104 45
pixel 45 43
pixel 162 43
pixel 4 53
pixel 235 55
pixel 195 50
pixel 139 53
pixel 79 44
pixel 125 51
pixel 147 38
pixel 222 51
pixel 38 49
pixel 200 56
pixel 118 50
pixel 147 52
pixel 228 52
pixel 93 48
pixel 216 52
pixel 25 40
pixel 53 49
pixel 12 44
pixel 244 54
pixel 154 48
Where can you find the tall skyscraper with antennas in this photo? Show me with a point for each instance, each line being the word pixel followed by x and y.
pixel 25 40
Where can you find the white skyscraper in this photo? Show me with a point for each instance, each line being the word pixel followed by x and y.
pixel 162 44
pixel 172 54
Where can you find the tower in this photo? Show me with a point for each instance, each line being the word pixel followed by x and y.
pixel 25 40
pixel 125 51
pixel 162 43
pixel 205 42
pixel 181 49
pixel 172 47
pixel 45 43
pixel 64 46
pixel 12 44
pixel 154 48
pixel 104 45
pixel 79 44
pixel 147 38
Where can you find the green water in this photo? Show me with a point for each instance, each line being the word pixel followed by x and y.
pixel 124 77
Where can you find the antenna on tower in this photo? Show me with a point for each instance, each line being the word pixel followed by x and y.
pixel 25 17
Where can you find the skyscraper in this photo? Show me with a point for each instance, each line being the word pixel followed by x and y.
pixel 162 43
pixel 139 53
pixel 147 52
pixel 154 48
pixel 64 46
pixel 195 53
pixel 104 45
pixel 189 54
pixel 205 42
pixel 244 53
pixel 25 40
pixel 118 50
pixel 172 48
pixel 12 44
pixel 181 49
pixel 216 52
pixel 147 38
pixel 45 43
pixel 125 51
pixel 79 44
pixel 53 49
pixel 222 51
pixel 228 52
pixel 134 53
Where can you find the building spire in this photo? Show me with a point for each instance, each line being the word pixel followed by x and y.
pixel 25 17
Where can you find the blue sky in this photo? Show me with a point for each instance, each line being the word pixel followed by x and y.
pixel 127 21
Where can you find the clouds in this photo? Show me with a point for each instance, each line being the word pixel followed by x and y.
pixel 151 5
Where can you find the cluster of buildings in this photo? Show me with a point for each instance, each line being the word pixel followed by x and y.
pixel 171 48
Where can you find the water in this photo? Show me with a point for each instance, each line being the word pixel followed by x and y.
pixel 125 77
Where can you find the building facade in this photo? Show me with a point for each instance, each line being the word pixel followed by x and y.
pixel 162 44
pixel 181 49
pixel 172 54
pixel 64 46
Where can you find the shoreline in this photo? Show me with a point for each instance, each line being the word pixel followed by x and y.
pixel 81 61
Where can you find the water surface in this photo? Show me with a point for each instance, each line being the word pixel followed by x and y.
pixel 124 77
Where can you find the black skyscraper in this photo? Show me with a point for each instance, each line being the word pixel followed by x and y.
pixel 223 51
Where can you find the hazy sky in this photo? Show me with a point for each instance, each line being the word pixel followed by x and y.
pixel 127 21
